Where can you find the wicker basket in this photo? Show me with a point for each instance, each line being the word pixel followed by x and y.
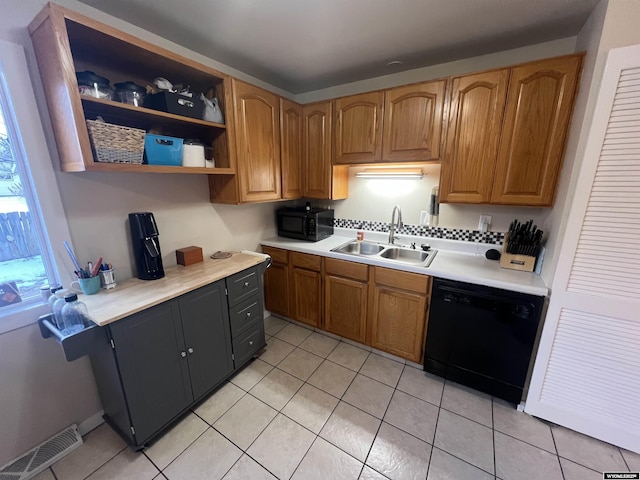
pixel 116 144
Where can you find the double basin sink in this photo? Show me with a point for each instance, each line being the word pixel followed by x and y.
pixel 391 253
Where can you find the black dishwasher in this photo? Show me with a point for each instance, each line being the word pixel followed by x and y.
pixel 482 337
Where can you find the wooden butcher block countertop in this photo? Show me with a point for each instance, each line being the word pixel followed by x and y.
pixel 134 295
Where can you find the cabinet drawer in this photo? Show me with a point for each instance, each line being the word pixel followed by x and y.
pixel 248 343
pixel 244 313
pixel 304 260
pixel 277 254
pixel 242 285
pixel 342 268
pixel 414 282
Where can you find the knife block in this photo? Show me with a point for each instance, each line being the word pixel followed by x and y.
pixel 524 263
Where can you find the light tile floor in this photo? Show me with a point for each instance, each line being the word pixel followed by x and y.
pixel 314 407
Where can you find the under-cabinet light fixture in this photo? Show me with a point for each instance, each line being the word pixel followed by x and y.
pixel 391 173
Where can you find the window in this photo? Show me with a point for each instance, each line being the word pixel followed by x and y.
pixel 22 270
pixel 32 221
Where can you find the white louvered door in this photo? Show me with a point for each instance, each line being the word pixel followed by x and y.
pixel 587 370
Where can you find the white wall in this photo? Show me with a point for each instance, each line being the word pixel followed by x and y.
pixel 374 200
pixel 40 392
pixel 97 205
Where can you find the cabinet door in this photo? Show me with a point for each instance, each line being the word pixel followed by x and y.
pixel 276 289
pixel 307 296
pixel 413 122
pixel 205 323
pixel 398 322
pixel 473 133
pixel 316 133
pixel 257 128
pixel 358 128
pixel 345 302
pixel 276 282
pixel 291 148
pixel 536 121
pixel 149 347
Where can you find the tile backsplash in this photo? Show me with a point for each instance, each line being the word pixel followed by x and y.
pixel 476 236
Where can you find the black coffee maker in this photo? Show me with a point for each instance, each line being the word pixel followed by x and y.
pixel 146 246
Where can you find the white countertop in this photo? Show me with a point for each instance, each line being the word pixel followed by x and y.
pixel 455 260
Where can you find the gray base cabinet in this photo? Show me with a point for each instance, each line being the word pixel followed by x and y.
pixel 246 306
pixel 154 365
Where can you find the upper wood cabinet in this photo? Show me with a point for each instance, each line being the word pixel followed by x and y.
pixel 358 123
pixel 66 42
pixel 402 124
pixel 320 178
pixel 473 135
pixel 507 132
pixel 291 148
pixel 536 122
pixel 413 122
pixel 257 122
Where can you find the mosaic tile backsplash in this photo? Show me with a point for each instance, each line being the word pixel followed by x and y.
pixel 424 231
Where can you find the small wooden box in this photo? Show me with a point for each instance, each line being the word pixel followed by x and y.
pixel 189 255
pixel 525 263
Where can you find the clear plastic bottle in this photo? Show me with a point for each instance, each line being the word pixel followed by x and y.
pixel 58 303
pixel 52 297
pixel 74 313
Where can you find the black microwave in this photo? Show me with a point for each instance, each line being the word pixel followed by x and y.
pixel 304 224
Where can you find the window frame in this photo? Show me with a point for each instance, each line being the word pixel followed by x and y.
pixel 29 144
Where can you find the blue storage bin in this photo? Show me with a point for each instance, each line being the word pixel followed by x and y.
pixel 162 150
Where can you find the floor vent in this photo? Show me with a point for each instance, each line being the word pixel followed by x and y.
pixel 42 456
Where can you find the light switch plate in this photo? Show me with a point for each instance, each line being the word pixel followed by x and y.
pixel 484 223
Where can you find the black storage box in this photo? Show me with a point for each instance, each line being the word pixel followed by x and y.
pixel 175 103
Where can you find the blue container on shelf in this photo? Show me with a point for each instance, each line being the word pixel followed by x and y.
pixel 162 150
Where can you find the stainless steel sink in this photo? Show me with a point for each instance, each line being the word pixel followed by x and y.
pixel 387 253
pixel 405 255
pixel 360 248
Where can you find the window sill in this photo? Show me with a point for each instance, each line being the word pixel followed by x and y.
pixel 21 315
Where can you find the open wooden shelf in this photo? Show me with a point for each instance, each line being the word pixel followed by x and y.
pixel 117 109
pixel 144 168
pixel 66 42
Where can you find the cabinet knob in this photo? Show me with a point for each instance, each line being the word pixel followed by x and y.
pixel 246 284
pixel 248 314
pixel 190 350
pixel 183 354
pixel 251 342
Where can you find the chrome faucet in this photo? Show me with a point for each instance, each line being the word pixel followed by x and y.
pixel 395 225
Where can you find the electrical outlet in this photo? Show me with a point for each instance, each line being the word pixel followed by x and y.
pixel 424 217
pixel 484 223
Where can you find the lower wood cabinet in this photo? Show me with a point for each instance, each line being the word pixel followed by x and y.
pixel 345 299
pixel 154 365
pixel 380 307
pixel 306 288
pixel 276 282
pixel 399 304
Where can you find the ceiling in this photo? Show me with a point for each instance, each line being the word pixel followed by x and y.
pixel 306 45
